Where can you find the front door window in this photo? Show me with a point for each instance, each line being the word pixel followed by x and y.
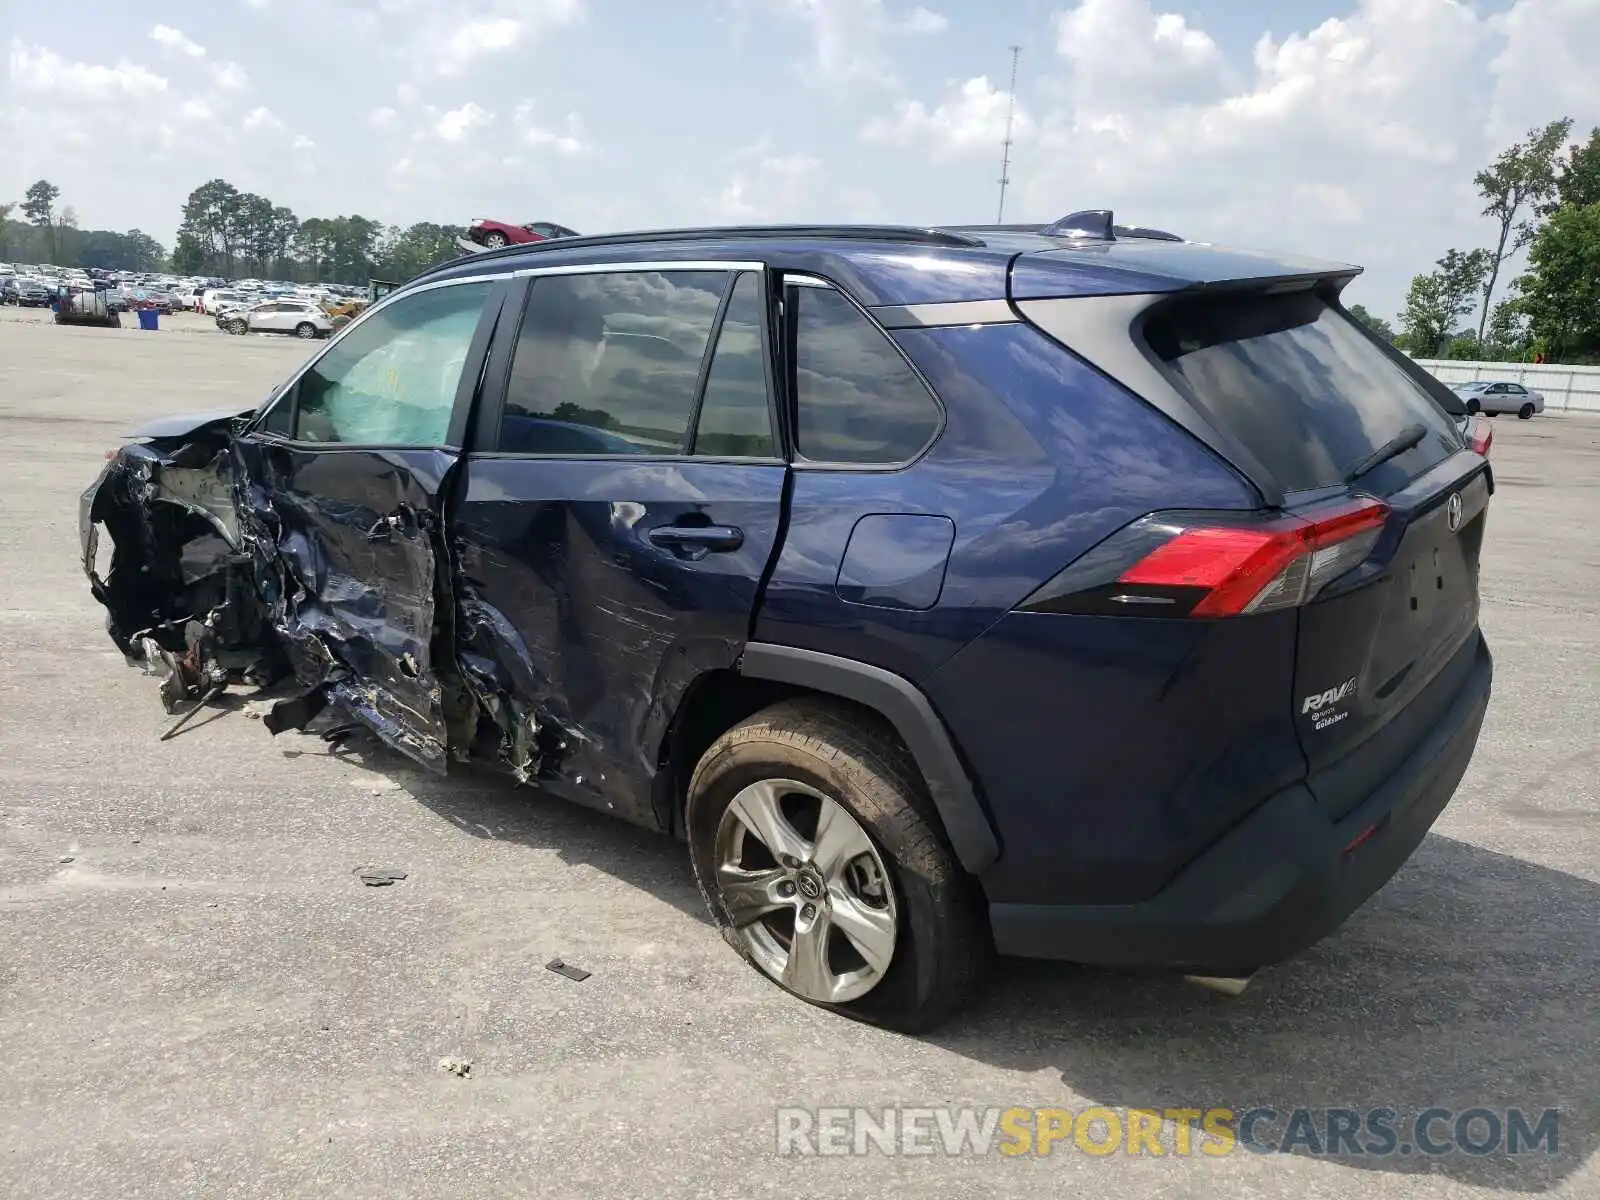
pixel 392 380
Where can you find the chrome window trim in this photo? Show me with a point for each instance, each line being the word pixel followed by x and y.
pixel 613 268
pixel 288 385
pixel 945 313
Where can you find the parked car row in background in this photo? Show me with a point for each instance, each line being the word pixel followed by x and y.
pixel 38 286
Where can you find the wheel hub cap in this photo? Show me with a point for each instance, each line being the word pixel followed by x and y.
pixel 806 890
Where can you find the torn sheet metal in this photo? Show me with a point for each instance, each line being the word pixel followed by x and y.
pixel 350 583
pixel 178 592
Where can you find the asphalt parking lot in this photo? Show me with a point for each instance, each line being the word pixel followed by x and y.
pixel 198 997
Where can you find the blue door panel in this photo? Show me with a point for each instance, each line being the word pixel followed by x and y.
pixel 581 627
pixel 1040 458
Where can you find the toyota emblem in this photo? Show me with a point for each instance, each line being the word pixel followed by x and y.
pixel 1452 511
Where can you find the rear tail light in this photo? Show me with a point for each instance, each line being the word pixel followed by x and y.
pixel 1480 435
pixel 1216 564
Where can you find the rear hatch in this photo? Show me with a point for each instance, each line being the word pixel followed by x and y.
pixel 1388 636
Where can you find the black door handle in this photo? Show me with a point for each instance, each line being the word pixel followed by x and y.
pixel 697 539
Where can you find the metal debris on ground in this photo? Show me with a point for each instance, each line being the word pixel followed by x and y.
pixel 576 974
pixel 65 858
pixel 379 876
pixel 461 1067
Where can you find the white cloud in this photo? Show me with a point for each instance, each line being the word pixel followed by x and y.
pixel 382 117
pixel 262 118
pixel 1122 50
pixel 971 120
pixel 230 75
pixel 771 185
pixel 459 122
pixel 847 40
pixel 570 139
pixel 1349 140
pixel 447 38
pixel 478 38
pixel 174 39
pixel 922 20
pixel 36 69
pixel 1546 65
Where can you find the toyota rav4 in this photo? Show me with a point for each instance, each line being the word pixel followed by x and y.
pixel 1071 591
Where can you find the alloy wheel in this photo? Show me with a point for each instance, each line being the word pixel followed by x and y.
pixel 806 890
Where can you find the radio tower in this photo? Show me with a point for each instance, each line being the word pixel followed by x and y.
pixel 1005 146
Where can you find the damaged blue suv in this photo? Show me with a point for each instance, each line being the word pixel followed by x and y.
pixel 1071 591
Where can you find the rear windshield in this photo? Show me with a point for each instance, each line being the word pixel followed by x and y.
pixel 1300 386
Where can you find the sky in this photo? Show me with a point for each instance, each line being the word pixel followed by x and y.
pixel 1347 130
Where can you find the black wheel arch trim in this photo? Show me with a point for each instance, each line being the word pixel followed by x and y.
pixel 903 705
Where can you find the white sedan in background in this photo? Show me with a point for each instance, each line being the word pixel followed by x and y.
pixel 1495 396
pixel 301 318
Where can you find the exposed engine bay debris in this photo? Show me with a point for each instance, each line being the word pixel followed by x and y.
pixel 226 570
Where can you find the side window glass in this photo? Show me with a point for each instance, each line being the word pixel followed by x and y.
pixel 278 416
pixel 735 417
pixel 392 380
pixel 609 363
pixel 857 400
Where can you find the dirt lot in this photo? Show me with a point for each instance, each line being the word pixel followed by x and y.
pixel 199 998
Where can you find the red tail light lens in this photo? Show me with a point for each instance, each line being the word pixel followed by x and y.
pixel 1216 565
pixel 1480 435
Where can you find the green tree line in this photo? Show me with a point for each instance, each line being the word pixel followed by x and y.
pixel 228 233
pixel 231 233
pixel 1543 195
pixel 37 230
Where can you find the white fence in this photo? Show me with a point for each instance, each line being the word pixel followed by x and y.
pixel 1566 389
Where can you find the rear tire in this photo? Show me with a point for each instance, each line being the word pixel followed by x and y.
pixel 305 330
pixel 922 914
pixel 1525 412
pixel 495 241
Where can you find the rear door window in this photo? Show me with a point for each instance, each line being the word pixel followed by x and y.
pixel 1299 385
pixel 609 363
pixel 735 414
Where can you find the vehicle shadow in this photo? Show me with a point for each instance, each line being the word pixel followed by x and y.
pixel 485 803
pixel 1470 981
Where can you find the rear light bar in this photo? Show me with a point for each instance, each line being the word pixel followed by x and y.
pixel 1216 564
pixel 1480 435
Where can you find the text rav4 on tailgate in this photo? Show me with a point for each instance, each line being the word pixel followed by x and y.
pixel 1318 702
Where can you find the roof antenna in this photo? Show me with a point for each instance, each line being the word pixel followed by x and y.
pixel 1005 146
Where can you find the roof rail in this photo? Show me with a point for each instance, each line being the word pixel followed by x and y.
pixel 911 234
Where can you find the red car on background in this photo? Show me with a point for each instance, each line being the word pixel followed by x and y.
pixel 493 234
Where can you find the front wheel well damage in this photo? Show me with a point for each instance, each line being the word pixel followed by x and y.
pixel 713 704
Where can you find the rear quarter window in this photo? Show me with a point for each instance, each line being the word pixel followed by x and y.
pixel 1298 385
pixel 857 401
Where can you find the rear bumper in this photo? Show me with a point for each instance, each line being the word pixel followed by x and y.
pixel 1281 879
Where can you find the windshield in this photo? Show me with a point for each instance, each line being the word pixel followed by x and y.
pixel 1304 390
pixel 1476 386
